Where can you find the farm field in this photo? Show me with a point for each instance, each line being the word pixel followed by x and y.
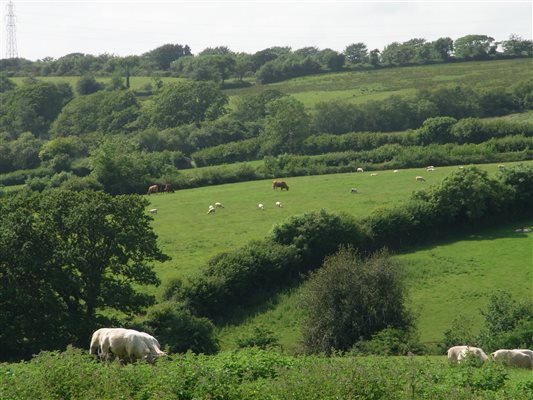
pixel 458 274
pixel 362 86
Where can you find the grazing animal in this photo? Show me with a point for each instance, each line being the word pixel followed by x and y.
pixel 373 174
pixel 359 169
pixel 210 209
pixel 420 179
pixel 280 184
pixel 461 167
pixel 278 204
pixel 501 166
pixel 152 189
pixel 515 358
pixel 457 354
pixel 96 342
pixel 153 211
pixel 219 205
pixel 353 190
pixel 129 345
pixel 261 206
pixel 395 171
pixel 168 188
pixel 430 168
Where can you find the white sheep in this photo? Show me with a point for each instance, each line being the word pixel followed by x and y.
pixel 261 206
pixel 501 166
pixel 420 179
pixel 395 171
pixel 360 169
pixel 278 204
pixel 219 205
pixel 353 190
pixel 211 209
pixel 153 211
pixel 373 174
pixel 430 168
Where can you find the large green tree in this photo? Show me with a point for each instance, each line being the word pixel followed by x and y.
pixel 186 102
pixel 474 46
pixel 64 258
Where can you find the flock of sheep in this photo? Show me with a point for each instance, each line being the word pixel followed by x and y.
pixel 418 178
pixel 520 358
pixel 212 208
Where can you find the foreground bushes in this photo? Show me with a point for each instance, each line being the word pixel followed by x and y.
pixel 255 374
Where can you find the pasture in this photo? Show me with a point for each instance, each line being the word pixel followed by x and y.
pixel 457 274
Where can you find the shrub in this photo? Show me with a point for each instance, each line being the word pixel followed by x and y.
pixel 350 299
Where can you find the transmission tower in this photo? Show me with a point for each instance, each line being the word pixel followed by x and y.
pixel 11 31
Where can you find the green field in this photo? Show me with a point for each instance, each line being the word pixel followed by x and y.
pixel 459 274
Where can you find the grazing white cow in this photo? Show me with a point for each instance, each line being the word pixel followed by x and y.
pixel 219 205
pixel 278 204
pixel 515 358
pixel 457 354
pixel 420 179
pixel 359 169
pixel 261 206
pixel 129 345
pixel 96 342
pixel 353 190
pixel 153 211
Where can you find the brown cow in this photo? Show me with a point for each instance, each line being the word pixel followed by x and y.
pixel 168 188
pixel 280 184
pixel 152 189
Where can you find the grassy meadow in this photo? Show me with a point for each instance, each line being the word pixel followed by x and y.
pixel 445 278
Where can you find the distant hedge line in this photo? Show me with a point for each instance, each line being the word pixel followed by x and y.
pixel 298 245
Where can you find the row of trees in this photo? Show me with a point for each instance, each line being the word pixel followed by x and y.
pixel 272 64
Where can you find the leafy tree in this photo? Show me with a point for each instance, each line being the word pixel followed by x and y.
pixel 253 107
pixel 331 59
pixel 517 46
pixel 186 102
pixel 474 46
pixel 286 127
pixel 87 84
pixel 350 299
pixel 436 130
pixel 32 107
pixel 162 56
pixel 356 53
pixel 443 47
pixel 523 94
pixel 64 257
pixel 6 84
pixel 374 57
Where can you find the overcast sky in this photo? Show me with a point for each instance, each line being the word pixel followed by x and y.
pixel 56 28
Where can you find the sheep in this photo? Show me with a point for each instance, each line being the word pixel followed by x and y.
pixel 359 169
pixel 261 206
pixel 211 209
pixel 353 190
pixel 395 171
pixel 430 168
pixel 420 179
pixel 219 205
pixel 501 166
pixel 373 174
pixel 153 211
pixel 278 204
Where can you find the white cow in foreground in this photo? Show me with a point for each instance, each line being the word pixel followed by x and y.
pixel 457 354
pixel 520 358
pixel 128 345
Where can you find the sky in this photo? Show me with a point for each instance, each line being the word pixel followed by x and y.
pixel 48 28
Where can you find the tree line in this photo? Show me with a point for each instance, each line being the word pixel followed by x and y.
pixel 272 64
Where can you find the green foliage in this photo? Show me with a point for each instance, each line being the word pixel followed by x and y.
pixel 32 107
pixel 6 83
pixel 474 47
pixel 390 341
pixel 521 179
pixel 186 102
pixel 175 327
pixel 436 130
pixel 87 84
pixel 350 299
pixel 260 337
pixel 75 253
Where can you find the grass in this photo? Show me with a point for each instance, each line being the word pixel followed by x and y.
pixel 444 277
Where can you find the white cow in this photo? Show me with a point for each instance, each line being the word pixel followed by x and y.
pixel 457 354
pixel 395 171
pixel 96 342
pixel 373 174
pixel 129 345
pixel 515 358
pixel 353 190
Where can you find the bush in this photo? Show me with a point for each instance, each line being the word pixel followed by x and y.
pixel 350 299
pixel 390 342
